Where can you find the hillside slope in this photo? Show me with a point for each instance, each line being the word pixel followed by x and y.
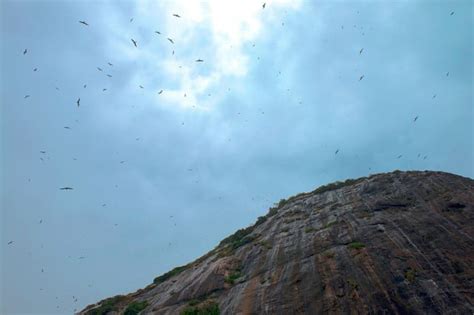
pixel 396 243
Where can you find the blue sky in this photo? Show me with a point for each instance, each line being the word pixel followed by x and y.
pixel 159 179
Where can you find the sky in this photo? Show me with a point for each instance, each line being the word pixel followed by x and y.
pixel 160 178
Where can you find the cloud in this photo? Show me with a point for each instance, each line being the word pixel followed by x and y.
pixel 216 31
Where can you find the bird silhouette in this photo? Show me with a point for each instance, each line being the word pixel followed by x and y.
pixel 109 75
pixel 26 96
pixel 85 85
pixel 157 32
pixel 177 15
pixel 199 60
pixel 399 156
pixel 67 127
pixel 100 69
pixel 336 151
pixel 361 77
pixel 110 64
pixel 447 74
pixel 25 51
pixel 103 90
pixel 11 242
pixel 78 102
pixel 43 152
pixel 360 52
pixel 35 69
pixel 263 6
pixel 66 188
pixel 134 42
pixel 452 13
pixel 131 20
pixel 416 118
pixel 84 22
pixel 171 41
pixel 161 91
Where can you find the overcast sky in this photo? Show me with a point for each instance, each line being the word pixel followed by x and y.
pixel 159 179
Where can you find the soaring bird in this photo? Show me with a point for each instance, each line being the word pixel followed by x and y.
pixel 361 77
pixel 399 156
pixel 26 96
pixel 360 52
pixel 67 127
pixel 35 69
pixel 434 96
pixel 110 64
pixel 109 75
pixel 170 40
pixel 84 22
pixel 336 151
pixel 141 87
pixel 85 85
pixel 66 188
pixel 43 152
pixel 177 15
pixel 78 102
pixel 25 51
pixel 263 6
pixel 447 73
pixel 161 91
pixel 452 13
pixel 131 20
pixel 103 90
pixel 416 118
pixel 11 242
pixel 100 69
pixel 134 42
pixel 157 32
pixel 199 60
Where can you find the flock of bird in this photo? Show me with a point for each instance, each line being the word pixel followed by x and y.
pixel 199 60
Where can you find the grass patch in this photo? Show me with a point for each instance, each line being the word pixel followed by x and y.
pixel 169 274
pixel 356 245
pixel 328 225
pixel 204 308
pixel 410 275
pixel 309 229
pixel 336 185
pixel 135 307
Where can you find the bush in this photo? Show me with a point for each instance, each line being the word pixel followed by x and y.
pixel 204 308
pixel 135 307
pixel 232 277
pixel 356 245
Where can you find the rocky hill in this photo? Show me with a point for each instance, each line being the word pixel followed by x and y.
pixel 396 243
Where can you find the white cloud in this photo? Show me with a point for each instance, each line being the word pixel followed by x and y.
pixel 216 31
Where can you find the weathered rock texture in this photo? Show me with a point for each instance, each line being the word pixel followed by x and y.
pixel 397 243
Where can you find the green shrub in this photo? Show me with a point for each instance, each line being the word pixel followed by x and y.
pixel 233 276
pixel 135 307
pixel 106 306
pixel 356 245
pixel 169 274
pixel 309 229
pixel 204 308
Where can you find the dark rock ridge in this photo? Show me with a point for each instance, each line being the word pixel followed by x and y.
pixel 396 243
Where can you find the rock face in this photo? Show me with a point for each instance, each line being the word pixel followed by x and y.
pixel 396 243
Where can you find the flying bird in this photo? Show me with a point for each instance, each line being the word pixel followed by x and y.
pixel 141 87
pixel 134 42
pixel 110 64
pixel 41 221
pixel 43 152
pixel 66 188
pixel 360 52
pixel 452 13
pixel 131 20
pixel 170 40
pixel 434 96
pixel 161 91
pixel 11 242
pixel 26 96
pixel 35 69
pixel 336 151
pixel 199 60
pixel 447 73
pixel 109 75
pixel 157 32
pixel 84 22
pixel 25 51
pixel 82 257
pixel 67 127
pixel 361 77
pixel 177 15
pixel 416 118
pixel 399 156
pixel 78 102
pixel 100 69
pixel 85 85
pixel 263 6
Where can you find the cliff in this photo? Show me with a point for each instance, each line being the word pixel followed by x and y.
pixel 396 243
